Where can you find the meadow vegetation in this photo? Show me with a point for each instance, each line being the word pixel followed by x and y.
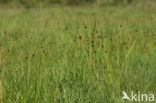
pixel 45 3
pixel 76 55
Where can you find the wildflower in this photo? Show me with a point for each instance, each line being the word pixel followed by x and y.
pixel 124 43
pixel 26 57
pixel 44 51
pixel 92 41
pixel 5 32
pixel 43 38
pixel 126 47
pixel 99 36
pixel 121 25
pixel 66 28
pixel 110 39
pixel 33 55
pixel 144 51
pixel 80 37
pixel 85 27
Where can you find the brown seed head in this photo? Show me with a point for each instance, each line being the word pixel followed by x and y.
pixel 144 51
pixel 124 43
pixel 5 32
pixel 110 39
pixel 33 55
pixel 85 27
pixel 121 25
pixel 43 39
pixel 80 37
pixel 126 47
pixel 99 36
pixel 26 57
pixel 44 51
pixel 92 41
pixel 66 28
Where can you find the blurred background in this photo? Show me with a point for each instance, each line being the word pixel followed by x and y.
pixel 45 3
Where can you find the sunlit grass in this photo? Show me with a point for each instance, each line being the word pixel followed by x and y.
pixel 80 55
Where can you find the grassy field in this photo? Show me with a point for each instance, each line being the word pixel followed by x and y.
pixel 76 55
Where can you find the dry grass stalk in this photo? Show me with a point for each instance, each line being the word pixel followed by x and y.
pixel 128 54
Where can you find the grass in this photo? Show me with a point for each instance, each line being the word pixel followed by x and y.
pixel 77 55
